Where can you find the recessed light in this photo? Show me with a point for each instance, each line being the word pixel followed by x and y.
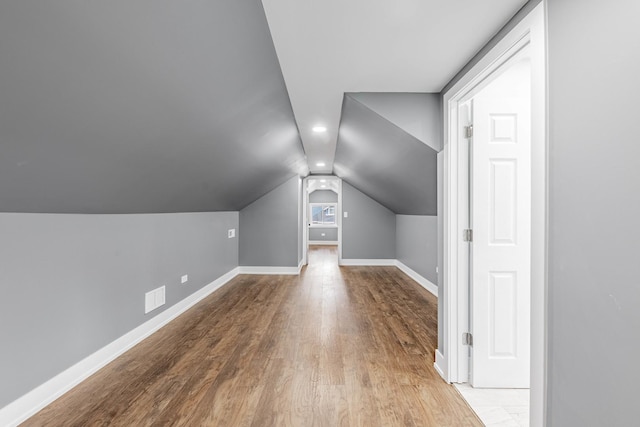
pixel 319 129
pixel 323 180
pixel 323 186
pixel 320 164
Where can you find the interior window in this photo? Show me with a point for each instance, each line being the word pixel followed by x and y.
pixel 323 214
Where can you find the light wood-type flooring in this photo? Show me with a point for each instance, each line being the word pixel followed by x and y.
pixel 336 346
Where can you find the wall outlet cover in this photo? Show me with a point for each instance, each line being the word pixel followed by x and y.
pixel 184 279
pixel 346 214
pixel 154 299
pixel 149 301
pixel 232 233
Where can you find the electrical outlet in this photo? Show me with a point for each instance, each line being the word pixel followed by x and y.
pixel 232 233
pixel 322 234
pixel 346 214
pixel 184 279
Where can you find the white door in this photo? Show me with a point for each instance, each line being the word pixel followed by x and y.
pixel 501 223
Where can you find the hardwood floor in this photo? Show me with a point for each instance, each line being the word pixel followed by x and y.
pixel 337 346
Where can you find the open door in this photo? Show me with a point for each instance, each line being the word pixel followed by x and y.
pixel 501 223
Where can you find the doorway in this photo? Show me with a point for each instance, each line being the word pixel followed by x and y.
pixel 322 207
pixel 494 314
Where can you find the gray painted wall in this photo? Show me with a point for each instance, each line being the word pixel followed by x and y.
pixel 270 230
pixel 73 283
pixel 330 234
pixel 417 244
pixel 385 162
pixel 323 196
pixel 419 114
pixel 145 106
pixel 593 271
pixel 369 232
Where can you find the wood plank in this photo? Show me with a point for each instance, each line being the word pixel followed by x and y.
pixel 336 346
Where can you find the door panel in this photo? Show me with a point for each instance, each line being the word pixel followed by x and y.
pixel 501 222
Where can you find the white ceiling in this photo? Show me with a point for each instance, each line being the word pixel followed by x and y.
pixel 323 183
pixel 329 47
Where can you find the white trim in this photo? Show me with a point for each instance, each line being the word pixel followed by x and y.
pixel 369 262
pixel 422 281
pixel 323 242
pixel 271 270
pixel 439 364
pixel 530 30
pixel 340 208
pixel 305 220
pixel 305 213
pixel 29 404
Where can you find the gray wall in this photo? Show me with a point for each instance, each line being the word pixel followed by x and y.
pixel 137 107
pixel 417 244
pixel 270 230
pixel 419 114
pixel 593 272
pixel 330 234
pixel 370 230
pixel 73 283
pixel 380 159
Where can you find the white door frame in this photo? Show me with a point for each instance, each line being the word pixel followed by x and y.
pixel 530 34
pixel 305 219
pixel 305 214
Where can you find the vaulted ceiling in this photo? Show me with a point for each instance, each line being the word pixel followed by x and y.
pixel 386 162
pixel 124 106
pixel 331 47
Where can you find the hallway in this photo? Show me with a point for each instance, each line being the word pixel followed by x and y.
pixel 334 346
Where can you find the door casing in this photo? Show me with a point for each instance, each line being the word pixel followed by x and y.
pixel 305 215
pixel 452 361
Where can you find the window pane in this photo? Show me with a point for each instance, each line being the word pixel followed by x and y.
pixel 329 216
pixel 316 214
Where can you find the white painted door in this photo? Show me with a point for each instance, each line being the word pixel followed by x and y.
pixel 501 223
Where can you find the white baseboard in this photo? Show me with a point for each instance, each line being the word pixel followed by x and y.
pixel 368 262
pixel 29 404
pixel 271 270
pixel 439 364
pixel 422 281
pixel 323 242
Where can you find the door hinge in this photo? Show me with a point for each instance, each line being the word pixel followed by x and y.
pixel 467 338
pixel 467 235
pixel 468 131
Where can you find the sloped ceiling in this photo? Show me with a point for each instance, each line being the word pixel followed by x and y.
pixel 385 162
pixel 418 114
pixel 126 106
pixel 331 47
